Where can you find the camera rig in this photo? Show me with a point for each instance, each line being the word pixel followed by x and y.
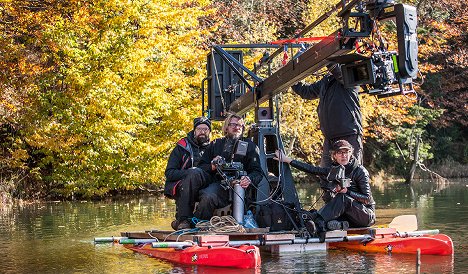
pixel 230 172
pixel 232 87
pixel 369 64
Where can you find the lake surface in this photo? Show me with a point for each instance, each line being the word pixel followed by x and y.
pixel 57 237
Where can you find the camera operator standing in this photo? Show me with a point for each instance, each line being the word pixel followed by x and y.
pixel 338 111
pixel 232 149
pixel 349 206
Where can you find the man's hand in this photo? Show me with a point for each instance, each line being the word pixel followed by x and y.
pixel 244 181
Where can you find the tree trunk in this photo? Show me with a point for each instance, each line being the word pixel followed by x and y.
pixel 414 164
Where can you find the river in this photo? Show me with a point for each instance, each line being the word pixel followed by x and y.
pixel 57 237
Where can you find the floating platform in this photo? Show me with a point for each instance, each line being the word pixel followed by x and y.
pixel 242 250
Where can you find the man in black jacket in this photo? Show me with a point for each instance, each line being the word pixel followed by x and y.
pixel 232 148
pixel 183 178
pixel 351 206
pixel 338 111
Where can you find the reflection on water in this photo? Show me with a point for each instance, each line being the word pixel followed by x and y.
pixel 56 237
pixel 338 261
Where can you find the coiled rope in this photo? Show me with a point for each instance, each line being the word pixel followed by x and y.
pixel 221 224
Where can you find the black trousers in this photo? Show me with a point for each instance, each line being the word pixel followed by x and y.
pixel 212 197
pixel 343 207
pixel 188 192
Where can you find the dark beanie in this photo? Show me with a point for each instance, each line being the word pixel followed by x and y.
pixel 201 120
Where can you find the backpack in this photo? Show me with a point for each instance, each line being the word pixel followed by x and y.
pixel 278 216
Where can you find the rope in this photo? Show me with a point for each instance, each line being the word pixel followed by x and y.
pixel 181 232
pixel 221 224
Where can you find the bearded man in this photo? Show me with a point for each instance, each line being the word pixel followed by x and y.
pixel 231 148
pixel 183 178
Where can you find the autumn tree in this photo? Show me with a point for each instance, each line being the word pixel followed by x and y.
pixel 114 84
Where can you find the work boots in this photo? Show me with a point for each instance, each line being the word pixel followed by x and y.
pixel 337 225
pixel 181 224
pixel 317 227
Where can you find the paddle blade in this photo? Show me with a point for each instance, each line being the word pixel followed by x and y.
pixel 404 223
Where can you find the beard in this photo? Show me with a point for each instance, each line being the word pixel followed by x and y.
pixel 202 139
pixel 231 135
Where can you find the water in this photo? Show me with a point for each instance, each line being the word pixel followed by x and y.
pixel 57 237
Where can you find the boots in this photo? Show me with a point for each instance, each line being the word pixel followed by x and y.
pixel 317 227
pixel 181 224
pixel 321 228
pixel 337 225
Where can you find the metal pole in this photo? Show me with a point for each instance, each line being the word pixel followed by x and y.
pixel 238 203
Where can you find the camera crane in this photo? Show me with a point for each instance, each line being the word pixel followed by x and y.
pixel 380 72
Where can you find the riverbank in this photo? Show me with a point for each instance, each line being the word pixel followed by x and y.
pixel 448 169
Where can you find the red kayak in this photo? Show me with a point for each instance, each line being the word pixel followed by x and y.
pixel 245 256
pixel 438 244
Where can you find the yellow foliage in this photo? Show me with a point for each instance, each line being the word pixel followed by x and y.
pixel 119 86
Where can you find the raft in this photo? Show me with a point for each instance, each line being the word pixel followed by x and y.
pixel 242 250
pixel 244 256
pixel 427 242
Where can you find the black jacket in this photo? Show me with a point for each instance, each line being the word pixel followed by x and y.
pixel 360 187
pixel 338 110
pixel 221 147
pixel 185 155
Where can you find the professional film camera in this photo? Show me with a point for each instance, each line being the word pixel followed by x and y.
pixel 382 72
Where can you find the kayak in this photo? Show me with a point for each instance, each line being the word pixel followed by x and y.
pixel 408 243
pixel 245 256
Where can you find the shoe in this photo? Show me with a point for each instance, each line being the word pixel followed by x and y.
pixel 184 224
pixel 321 229
pixel 337 225
pixel 310 225
pixel 344 225
pixel 317 228
pixel 174 224
pixel 180 224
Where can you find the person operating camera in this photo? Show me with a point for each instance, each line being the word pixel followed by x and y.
pixel 349 206
pixel 339 111
pixel 230 149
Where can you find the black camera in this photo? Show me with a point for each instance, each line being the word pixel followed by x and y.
pixel 377 73
pixel 229 171
pixel 385 73
pixel 336 177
